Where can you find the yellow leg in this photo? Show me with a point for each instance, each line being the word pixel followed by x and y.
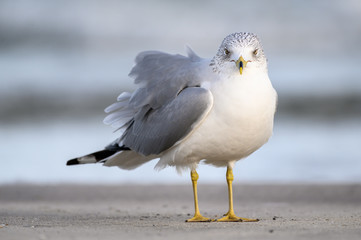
pixel 230 216
pixel 197 215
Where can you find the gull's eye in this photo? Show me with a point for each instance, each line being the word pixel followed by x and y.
pixel 226 51
pixel 255 51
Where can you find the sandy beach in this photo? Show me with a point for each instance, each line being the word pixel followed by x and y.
pixel 160 211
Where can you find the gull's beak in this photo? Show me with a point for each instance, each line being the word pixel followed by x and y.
pixel 241 63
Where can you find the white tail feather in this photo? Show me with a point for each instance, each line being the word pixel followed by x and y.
pixel 87 159
pixel 127 160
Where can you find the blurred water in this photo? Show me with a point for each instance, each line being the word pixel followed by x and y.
pixel 299 151
pixel 62 62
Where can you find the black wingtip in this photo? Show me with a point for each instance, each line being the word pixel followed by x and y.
pixel 97 156
pixel 72 162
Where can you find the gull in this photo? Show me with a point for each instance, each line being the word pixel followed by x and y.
pixel 189 110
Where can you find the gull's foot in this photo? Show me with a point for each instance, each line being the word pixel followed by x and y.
pixel 231 217
pixel 199 218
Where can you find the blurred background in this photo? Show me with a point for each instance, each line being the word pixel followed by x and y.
pixel 63 62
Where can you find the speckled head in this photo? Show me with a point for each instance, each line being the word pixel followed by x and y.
pixel 240 48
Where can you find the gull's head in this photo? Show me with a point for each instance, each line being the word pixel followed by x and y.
pixel 239 53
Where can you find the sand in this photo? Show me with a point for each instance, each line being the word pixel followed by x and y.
pixel 159 212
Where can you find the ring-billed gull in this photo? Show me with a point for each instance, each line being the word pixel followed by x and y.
pixel 189 109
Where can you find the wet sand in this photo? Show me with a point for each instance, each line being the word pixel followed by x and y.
pixel 159 212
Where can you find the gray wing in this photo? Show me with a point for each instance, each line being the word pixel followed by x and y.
pixel 162 76
pixel 153 131
pixel 166 107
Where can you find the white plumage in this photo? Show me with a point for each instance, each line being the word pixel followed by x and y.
pixel 240 117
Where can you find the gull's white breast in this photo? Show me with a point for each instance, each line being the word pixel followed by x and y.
pixel 240 122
